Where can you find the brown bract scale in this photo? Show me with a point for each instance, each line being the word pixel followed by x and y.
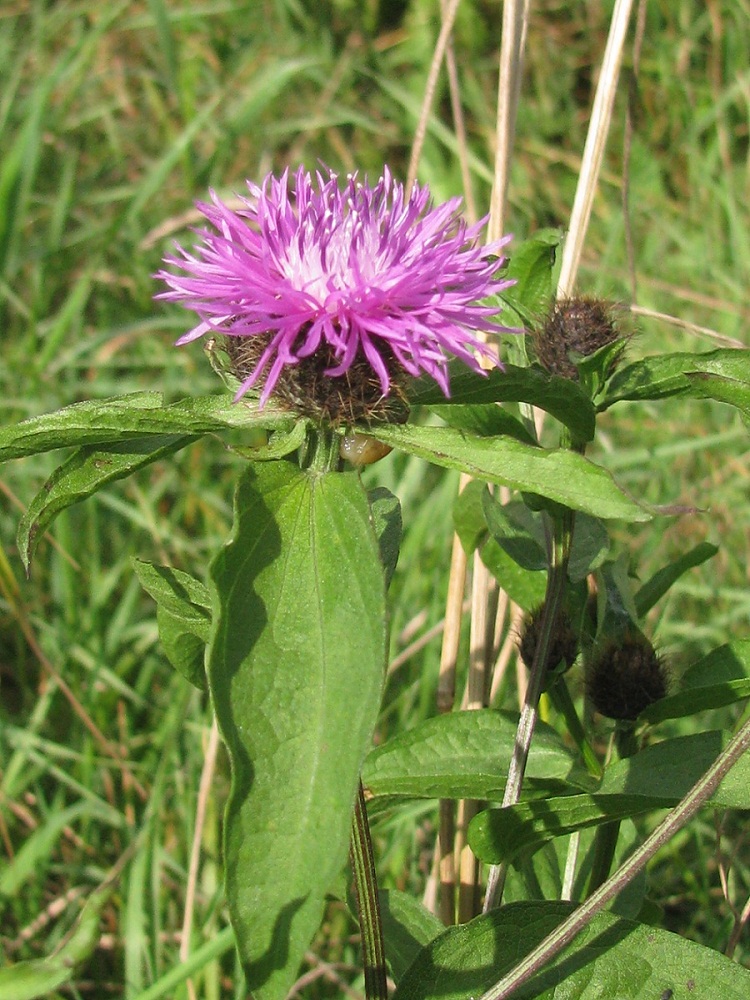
pixel 576 326
pixel 626 676
pixel 304 388
pixel 564 646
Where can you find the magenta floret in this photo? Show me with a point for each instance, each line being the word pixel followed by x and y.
pixel 364 270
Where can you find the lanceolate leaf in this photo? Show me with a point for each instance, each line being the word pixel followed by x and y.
pixel 660 582
pixel 86 471
pixel 183 615
pixel 723 374
pixel 611 957
pixel 562 476
pixel 563 399
pixel 720 678
pixel 485 419
pixel 532 265
pixel 123 418
pixel 525 588
pixel 656 778
pixel 517 530
pixel 497 836
pixel 385 510
pixel 461 755
pixel 295 670
pixel 407 928
pixel 468 516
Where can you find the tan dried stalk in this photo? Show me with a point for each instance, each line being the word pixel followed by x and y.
pixel 601 118
pixel 204 790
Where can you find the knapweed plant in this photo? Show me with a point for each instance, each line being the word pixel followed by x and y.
pixel 345 319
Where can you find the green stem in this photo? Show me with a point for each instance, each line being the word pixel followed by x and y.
pixel 564 934
pixel 605 843
pixel 605 839
pixel 320 452
pixel 553 602
pixel 560 698
pixel 368 905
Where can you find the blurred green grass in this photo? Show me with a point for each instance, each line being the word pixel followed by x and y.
pixel 114 119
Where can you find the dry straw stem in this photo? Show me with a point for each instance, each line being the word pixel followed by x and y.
pixel 601 117
pixel 457 578
pixel 458 124
pixel 515 21
pixel 204 790
pixel 449 17
pixel 515 16
pixel 593 152
pixel 683 324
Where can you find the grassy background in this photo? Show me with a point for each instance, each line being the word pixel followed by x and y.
pixel 114 118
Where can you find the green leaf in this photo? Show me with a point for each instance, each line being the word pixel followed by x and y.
pixel 525 588
pixel 123 418
pixel 516 530
pixel 468 516
pixel 611 958
pixel 86 472
pixel 734 791
pixel 486 420
pixel 461 755
pixel 656 778
pixel 561 398
pixel 183 617
pixel 723 374
pixel 282 442
pixel 386 519
pixel 407 928
pixel 560 475
pixel 655 588
pixel 734 391
pixel 295 669
pixel 589 548
pixel 498 836
pixel 543 874
pixel 720 678
pixel 532 265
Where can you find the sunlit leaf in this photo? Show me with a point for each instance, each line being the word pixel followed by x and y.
pixel 723 375
pixel 123 418
pixel 612 957
pixel 561 398
pixel 86 472
pixel 295 670
pixel 461 755
pixel 560 475
pixel 183 616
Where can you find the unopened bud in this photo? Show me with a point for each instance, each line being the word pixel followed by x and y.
pixel 577 326
pixel 626 676
pixel 563 647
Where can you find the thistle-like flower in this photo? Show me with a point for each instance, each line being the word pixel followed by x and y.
pixel 331 296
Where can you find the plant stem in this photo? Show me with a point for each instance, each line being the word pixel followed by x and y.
pixel 564 934
pixel 605 844
pixel 368 905
pixel 605 839
pixel 320 452
pixel 560 698
pixel 556 583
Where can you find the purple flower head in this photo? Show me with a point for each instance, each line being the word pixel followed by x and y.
pixel 352 279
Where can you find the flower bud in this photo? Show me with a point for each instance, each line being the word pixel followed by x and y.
pixel 576 326
pixel 563 648
pixel 626 676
